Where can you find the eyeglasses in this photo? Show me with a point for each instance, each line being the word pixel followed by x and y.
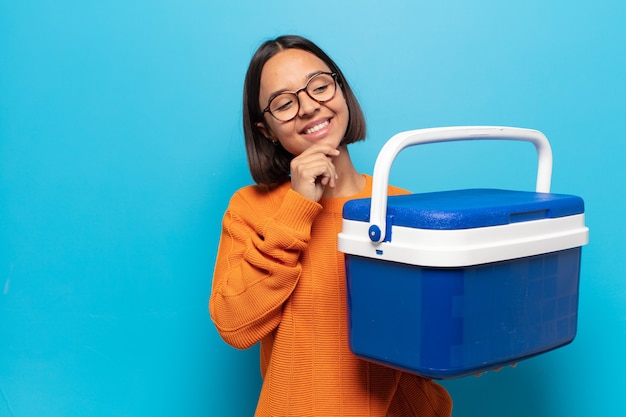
pixel 284 106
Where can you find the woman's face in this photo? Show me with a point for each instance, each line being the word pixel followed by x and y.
pixel 323 123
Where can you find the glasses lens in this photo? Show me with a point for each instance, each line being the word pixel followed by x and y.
pixel 284 106
pixel 321 87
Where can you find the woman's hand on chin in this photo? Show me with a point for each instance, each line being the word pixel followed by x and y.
pixel 313 170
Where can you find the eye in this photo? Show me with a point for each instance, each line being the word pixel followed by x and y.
pixel 321 85
pixel 282 102
pixel 320 88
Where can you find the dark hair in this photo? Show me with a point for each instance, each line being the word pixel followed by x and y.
pixel 268 162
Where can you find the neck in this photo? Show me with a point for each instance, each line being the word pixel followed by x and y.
pixel 349 181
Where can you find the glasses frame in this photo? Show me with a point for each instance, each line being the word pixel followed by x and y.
pixel 298 91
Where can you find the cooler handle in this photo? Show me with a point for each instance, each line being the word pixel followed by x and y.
pixel 378 209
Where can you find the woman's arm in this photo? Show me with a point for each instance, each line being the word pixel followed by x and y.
pixel 258 263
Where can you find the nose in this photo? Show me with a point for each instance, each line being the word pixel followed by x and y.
pixel 307 104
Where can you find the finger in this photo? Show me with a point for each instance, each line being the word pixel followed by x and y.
pixel 320 172
pixel 311 174
pixel 315 164
pixel 326 150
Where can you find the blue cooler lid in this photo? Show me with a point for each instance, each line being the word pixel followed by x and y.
pixel 466 209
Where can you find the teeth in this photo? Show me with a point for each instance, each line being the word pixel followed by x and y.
pixel 318 127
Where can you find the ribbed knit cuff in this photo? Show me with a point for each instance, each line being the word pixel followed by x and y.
pixel 297 212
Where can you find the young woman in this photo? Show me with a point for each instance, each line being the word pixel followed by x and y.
pixel 279 279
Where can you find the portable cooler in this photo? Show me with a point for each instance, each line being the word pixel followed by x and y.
pixel 452 283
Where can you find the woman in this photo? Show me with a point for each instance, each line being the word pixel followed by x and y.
pixel 279 278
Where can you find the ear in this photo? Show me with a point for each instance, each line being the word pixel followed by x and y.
pixel 265 131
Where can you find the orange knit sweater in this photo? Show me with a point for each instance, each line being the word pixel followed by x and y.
pixel 279 279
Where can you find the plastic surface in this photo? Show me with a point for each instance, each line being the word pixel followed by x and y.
pixel 464 209
pixel 452 283
pixel 378 227
pixel 466 247
pixel 451 322
pixel 466 227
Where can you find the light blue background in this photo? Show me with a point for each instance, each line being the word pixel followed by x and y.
pixel 120 145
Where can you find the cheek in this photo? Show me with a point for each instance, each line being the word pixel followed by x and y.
pixel 341 103
pixel 279 131
pixel 341 109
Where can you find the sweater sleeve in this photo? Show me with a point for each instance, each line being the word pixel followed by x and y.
pixel 258 264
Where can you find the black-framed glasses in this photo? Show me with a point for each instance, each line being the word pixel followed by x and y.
pixel 284 106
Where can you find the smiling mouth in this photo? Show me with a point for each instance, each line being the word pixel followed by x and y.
pixel 317 127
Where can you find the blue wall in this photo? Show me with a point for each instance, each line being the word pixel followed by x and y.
pixel 120 144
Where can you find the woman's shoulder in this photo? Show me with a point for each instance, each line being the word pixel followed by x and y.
pixel 257 196
pixel 391 189
pixel 263 190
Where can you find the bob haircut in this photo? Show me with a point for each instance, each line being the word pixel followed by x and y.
pixel 269 162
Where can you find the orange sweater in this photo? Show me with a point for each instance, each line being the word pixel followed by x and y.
pixel 279 279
